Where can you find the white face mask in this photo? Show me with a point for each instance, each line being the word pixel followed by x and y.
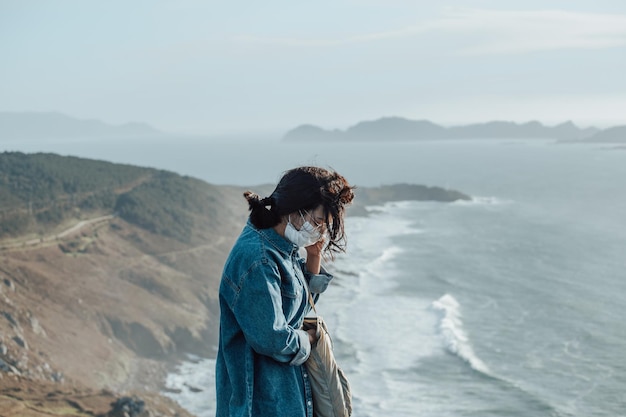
pixel 306 236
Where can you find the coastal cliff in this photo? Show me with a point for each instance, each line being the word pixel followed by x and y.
pixel 109 274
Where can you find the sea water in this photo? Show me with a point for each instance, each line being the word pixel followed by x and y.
pixel 511 304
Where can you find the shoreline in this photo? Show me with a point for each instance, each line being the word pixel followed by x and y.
pixel 191 384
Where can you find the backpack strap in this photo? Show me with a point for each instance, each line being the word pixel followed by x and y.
pixel 311 300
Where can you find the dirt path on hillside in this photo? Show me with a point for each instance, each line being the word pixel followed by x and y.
pixel 133 261
pixel 215 243
pixel 34 243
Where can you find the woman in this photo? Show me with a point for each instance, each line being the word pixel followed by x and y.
pixel 264 294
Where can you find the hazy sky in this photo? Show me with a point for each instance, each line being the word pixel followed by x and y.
pixel 237 66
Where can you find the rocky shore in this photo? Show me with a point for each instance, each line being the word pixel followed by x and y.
pixel 25 397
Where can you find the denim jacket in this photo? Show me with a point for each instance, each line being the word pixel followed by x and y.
pixel 263 300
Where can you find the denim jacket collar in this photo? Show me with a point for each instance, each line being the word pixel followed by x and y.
pixel 282 244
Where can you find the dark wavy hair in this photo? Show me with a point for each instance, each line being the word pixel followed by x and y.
pixel 304 188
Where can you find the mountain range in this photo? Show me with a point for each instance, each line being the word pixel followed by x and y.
pixel 401 129
pixel 615 134
pixel 53 125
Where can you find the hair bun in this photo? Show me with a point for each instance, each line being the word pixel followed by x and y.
pixel 253 199
pixel 250 195
pixel 260 214
pixel 256 201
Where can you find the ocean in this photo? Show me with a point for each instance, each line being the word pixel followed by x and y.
pixel 507 305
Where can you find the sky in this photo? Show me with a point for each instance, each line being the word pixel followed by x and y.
pixel 216 67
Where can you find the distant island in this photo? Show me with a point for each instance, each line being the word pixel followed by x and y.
pixel 401 129
pixel 615 134
pixel 369 196
pixel 53 125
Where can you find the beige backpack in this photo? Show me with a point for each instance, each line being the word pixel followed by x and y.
pixel 331 390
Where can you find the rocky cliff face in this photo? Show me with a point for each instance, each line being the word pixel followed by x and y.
pixel 106 307
pixel 89 306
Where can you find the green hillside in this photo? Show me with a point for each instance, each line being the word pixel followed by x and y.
pixel 40 191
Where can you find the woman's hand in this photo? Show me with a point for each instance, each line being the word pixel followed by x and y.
pixel 314 256
pixel 316 248
pixel 312 336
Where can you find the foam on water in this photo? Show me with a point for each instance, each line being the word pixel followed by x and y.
pixel 482 201
pixel 453 334
pixel 192 385
pixel 377 332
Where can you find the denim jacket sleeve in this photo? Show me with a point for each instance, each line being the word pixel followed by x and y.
pixel 317 282
pixel 258 310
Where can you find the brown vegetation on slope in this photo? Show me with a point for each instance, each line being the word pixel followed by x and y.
pixel 108 273
pixel 108 306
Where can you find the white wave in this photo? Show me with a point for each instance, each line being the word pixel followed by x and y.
pixel 372 252
pixel 386 334
pixel 392 206
pixel 376 331
pixel 381 226
pixel 192 385
pixel 454 337
pixel 384 259
pixel 482 201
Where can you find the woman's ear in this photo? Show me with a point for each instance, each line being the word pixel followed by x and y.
pixel 284 219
